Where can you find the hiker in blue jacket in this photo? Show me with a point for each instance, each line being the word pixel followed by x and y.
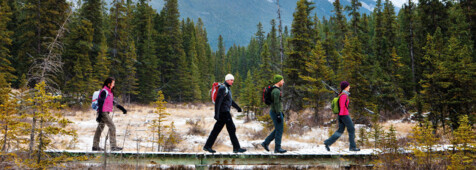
pixel 223 103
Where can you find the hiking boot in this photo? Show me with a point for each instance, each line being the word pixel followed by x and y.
pixel 241 150
pixel 265 146
pixel 354 149
pixel 280 151
pixel 209 149
pixel 98 149
pixel 327 147
pixel 116 148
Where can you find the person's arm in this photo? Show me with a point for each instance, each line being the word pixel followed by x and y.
pixel 236 106
pixel 119 107
pixel 219 101
pixel 101 99
pixel 275 95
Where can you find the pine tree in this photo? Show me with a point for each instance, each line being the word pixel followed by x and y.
pixel 157 125
pixel 130 80
pixel 351 70
pixel 463 141
pixel 455 78
pixel 39 25
pixel 318 71
pixel 355 16
pixel 173 50
pixel 5 41
pixel 9 119
pixel 341 25
pixel 92 10
pixel 260 37
pixel 431 88
pixel 78 69
pixel 274 47
pixel 101 65
pixel 266 71
pixel 301 49
pixel 51 122
pixel 147 61
pixel 423 145
pixel 220 58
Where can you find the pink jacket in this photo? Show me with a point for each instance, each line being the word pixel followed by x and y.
pixel 108 103
pixel 344 104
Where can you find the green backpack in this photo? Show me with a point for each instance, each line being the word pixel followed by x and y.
pixel 335 104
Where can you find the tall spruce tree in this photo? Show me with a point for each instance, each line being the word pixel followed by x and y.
pixel 79 71
pixel 301 49
pixel 147 62
pixel 318 71
pixel 5 42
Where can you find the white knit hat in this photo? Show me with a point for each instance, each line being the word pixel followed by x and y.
pixel 229 77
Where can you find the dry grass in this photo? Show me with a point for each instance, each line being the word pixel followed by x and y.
pixel 195 121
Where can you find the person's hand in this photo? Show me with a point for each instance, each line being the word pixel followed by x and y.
pixel 98 118
pixel 124 111
pixel 279 118
pixel 239 109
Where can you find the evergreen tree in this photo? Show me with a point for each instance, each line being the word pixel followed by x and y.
pixel 318 71
pixel 147 61
pixel 423 145
pixel 220 58
pixel 92 10
pixel 51 122
pixel 355 16
pixel 5 41
pixel 79 73
pixel 274 47
pixel 157 125
pixel 39 25
pixel 101 65
pixel 9 119
pixel 351 70
pixel 260 37
pixel 301 49
pixel 463 140
pixel 340 25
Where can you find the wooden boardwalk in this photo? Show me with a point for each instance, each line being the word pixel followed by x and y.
pixel 205 159
pixel 264 154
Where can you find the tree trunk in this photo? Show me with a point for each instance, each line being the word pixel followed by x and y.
pixel 32 135
pixel 40 145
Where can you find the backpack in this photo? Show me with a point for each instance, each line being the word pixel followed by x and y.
pixel 94 103
pixel 335 104
pixel 214 91
pixel 267 98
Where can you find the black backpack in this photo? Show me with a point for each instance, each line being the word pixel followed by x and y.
pixel 267 98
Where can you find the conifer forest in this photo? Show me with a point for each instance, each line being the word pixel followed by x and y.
pixel 418 61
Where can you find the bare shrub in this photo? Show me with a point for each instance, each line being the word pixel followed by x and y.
pixel 196 127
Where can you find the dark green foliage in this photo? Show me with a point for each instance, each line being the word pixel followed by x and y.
pixel 5 41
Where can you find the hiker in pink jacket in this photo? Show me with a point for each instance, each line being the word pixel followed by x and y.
pixel 344 119
pixel 106 103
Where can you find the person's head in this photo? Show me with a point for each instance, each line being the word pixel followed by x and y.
pixel 109 82
pixel 278 80
pixel 229 79
pixel 344 85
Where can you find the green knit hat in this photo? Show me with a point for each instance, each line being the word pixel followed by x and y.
pixel 277 78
